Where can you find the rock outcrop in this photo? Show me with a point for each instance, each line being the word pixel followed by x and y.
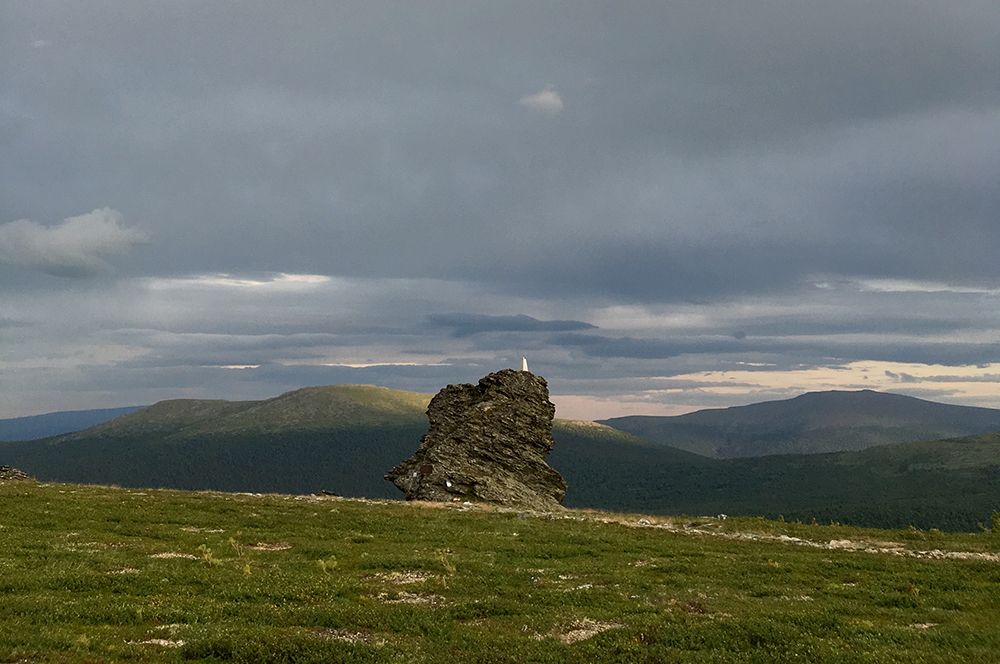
pixel 8 474
pixel 486 443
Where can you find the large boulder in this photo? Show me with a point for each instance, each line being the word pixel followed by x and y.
pixel 486 443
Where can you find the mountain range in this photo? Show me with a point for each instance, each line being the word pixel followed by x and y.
pixel 811 423
pixel 344 438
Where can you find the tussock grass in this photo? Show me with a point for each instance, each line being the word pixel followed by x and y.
pixel 106 574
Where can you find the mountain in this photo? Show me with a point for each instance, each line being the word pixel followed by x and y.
pixel 54 424
pixel 306 409
pixel 342 438
pixel 345 438
pixel 811 423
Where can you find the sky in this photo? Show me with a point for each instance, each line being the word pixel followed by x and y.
pixel 665 206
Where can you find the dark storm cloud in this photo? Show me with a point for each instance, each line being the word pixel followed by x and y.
pixel 701 150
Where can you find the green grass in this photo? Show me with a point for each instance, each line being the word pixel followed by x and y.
pixel 300 579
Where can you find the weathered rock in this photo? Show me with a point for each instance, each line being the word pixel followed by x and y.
pixel 8 473
pixel 486 443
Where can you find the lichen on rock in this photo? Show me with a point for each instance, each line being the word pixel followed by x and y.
pixel 486 443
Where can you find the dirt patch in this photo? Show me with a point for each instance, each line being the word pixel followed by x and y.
pixel 167 555
pixel 195 529
pixel 581 630
pixel 403 578
pixel 277 546
pixel 403 597
pixel 164 643
pixel 352 636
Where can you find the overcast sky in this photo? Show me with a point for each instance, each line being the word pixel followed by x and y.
pixel 664 205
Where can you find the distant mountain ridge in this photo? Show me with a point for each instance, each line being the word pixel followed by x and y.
pixel 812 423
pixel 54 424
pixel 305 409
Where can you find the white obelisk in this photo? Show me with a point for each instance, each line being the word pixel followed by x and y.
pixel 524 363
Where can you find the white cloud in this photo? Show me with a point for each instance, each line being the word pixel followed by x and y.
pixel 915 286
pixel 545 101
pixel 74 248
pixel 41 43
pixel 277 281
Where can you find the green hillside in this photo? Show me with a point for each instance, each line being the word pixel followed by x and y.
pixel 812 423
pixel 952 484
pixel 345 438
pixel 98 574
pixel 307 409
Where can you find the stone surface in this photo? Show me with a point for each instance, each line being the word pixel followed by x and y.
pixel 486 443
pixel 8 473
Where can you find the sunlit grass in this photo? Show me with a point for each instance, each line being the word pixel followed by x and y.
pixel 96 574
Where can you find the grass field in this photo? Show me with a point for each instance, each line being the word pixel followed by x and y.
pixel 97 574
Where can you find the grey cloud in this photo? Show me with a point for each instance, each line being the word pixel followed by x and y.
pixel 746 121
pixel 708 164
pixel 901 377
pixel 816 352
pixel 982 378
pixel 630 347
pixel 463 325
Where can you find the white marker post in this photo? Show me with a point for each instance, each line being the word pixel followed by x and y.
pixel 524 363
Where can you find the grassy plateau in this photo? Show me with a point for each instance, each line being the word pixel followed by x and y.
pixel 94 574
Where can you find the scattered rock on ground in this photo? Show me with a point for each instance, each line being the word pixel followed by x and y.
pixel 486 443
pixel 10 474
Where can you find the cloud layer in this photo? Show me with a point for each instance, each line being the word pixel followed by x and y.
pixel 413 196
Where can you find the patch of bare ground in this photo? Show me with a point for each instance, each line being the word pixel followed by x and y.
pixel 167 555
pixel 164 643
pixel 195 529
pixel 275 546
pixel 352 636
pixel 699 529
pixel 403 578
pixel 579 630
pixel 403 597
